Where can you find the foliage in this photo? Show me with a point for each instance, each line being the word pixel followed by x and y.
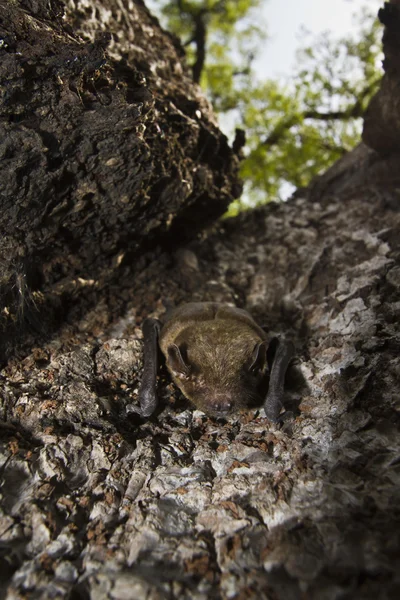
pixel 295 129
pixel 232 34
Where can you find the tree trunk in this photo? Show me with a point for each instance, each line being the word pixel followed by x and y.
pixel 99 505
pixel 105 143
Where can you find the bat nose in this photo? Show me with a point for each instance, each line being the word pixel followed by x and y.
pixel 222 404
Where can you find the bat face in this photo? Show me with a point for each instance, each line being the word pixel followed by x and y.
pixel 219 366
pixel 217 356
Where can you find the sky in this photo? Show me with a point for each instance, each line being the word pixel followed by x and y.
pixel 285 18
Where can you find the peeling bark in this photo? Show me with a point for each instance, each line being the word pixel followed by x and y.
pixel 183 506
pixel 97 504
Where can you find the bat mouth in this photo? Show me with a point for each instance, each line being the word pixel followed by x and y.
pixel 221 407
pixel 220 414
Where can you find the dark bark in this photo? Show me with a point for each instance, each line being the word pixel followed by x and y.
pixel 382 121
pixel 103 505
pixel 105 143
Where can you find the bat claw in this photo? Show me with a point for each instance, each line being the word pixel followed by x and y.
pixel 281 418
pixel 133 409
pixel 286 416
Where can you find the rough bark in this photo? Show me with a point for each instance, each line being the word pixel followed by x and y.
pixel 99 505
pixel 186 507
pixel 382 121
pixel 105 142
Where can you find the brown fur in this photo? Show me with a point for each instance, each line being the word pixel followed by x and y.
pixel 210 351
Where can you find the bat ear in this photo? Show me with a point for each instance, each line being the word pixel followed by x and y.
pixel 258 358
pixel 178 360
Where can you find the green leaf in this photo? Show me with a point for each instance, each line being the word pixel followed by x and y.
pixel 296 128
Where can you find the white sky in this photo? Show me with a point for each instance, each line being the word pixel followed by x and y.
pixel 284 19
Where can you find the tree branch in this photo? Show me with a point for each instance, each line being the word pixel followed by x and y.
pixel 199 38
pixel 356 111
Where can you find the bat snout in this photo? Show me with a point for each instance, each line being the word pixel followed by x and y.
pixel 221 405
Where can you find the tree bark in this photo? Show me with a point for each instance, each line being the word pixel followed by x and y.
pixel 96 504
pixel 382 121
pixel 105 142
